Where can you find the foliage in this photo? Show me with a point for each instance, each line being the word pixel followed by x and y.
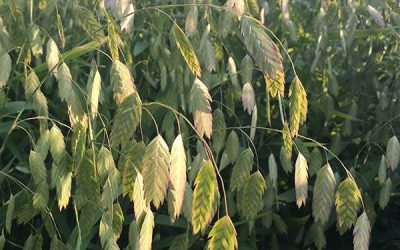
pixel 158 124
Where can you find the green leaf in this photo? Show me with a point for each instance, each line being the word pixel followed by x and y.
pixel 34 242
pixel 126 120
pixel 361 232
pixel 241 170
pixel 57 244
pixel 181 242
pixel 250 196
pixel 201 109
pixel 347 204
pixel 385 193
pixel 203 197
pixel 186 49
pixel 323 194
pixel 155 171
pixel 279 223
pixel 347 129
pixel 223 235
pixel 393 153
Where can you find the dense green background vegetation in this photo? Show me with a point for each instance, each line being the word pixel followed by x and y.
pixel 107 107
